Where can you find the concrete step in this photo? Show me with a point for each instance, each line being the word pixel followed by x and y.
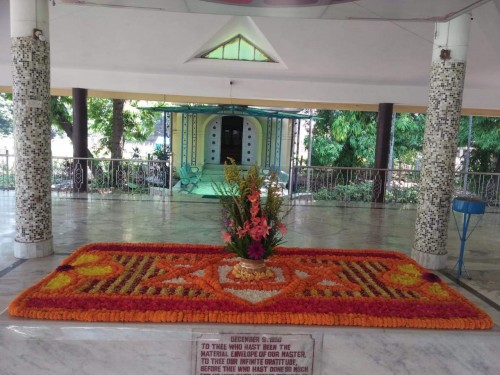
pixel 215 172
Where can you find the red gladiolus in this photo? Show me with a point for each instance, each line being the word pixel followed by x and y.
pixel 257 228
pixel 245 217
pixel 282 228
pixel 254 197
pixel 254 210
pixel 242 232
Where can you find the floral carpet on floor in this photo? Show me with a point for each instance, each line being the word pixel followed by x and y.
pixel 117 282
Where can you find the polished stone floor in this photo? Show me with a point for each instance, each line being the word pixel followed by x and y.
pixel 60 347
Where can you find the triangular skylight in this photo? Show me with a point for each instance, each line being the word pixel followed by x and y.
pixel 237 48
pixel 242 31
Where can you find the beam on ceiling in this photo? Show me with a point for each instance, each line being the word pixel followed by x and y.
pixel 180 99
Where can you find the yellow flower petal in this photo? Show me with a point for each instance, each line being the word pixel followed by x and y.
pixel 409 268
pixel 404 279
pixel 57 282
pixel 436 289
pixel 85 258
pixel 94 270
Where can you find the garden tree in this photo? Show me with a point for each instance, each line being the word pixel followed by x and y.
pixel 62 115
pixel 347 138
pixel 6 115
pixel 344 138
pixel 137 125
pixel 485 156
pixel 109 118
pixel 408 136
pixel 117 139
pixel 119 121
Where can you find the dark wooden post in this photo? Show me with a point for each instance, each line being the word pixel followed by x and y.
pixel 80 139
pixel 382 149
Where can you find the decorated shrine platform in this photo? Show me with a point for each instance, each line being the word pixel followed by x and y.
pixel 127 282
pixel 61 347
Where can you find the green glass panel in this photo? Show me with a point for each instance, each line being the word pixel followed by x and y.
pixel 231 50
pixel 246 51
pixel 259 56
pixel 237 48
pixel 215 54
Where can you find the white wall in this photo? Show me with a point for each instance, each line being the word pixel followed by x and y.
pixel 328 61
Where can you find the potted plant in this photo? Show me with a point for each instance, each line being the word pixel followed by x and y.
pixel 252 216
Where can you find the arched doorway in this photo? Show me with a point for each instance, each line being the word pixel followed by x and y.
pixel 231 136
pixel 231 139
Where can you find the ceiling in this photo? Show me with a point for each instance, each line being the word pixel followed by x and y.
pixel 417 10
pixel 327 53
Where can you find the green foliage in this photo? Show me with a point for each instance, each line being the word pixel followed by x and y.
pixel 402 194
pixel 61 107
pixel 485 142
pixel 344 138
pixel 158 152
pixel 348 138
pixel 100 113
pixel 138 124
pixel 61 114
pixel 6 115
pixel 408 136
pixel 7 180
pixel 362 192
pixel 324 151
pixel 359 193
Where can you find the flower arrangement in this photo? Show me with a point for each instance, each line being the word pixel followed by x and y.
pixel 253 223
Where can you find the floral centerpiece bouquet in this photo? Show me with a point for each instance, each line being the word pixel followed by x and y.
pixel 252 220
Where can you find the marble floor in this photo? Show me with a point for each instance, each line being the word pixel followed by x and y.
pixel 40 347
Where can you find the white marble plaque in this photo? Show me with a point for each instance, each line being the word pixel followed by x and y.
pixel 254 353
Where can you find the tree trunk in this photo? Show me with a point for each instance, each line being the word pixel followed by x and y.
pixel 67 126
pixel 116 140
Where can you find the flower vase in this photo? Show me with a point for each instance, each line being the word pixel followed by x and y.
pixel 251 269
pixel 251 265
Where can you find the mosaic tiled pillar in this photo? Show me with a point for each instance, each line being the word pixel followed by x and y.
pixel 31 99
pixel 440 142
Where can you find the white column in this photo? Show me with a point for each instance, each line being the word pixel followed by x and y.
pixel 440 141
pixel 31 98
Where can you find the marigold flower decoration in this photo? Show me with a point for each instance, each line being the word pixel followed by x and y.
pixel 253 222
